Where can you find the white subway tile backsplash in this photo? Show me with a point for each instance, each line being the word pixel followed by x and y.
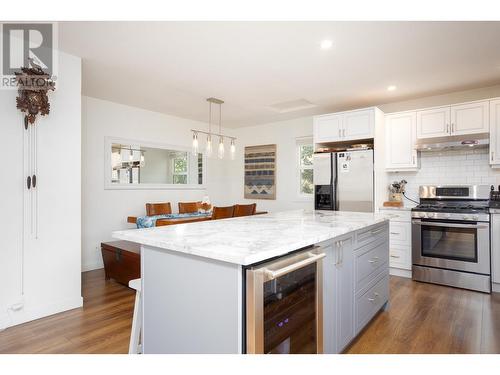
pixel 449 167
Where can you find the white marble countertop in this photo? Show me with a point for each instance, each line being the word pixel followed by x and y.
pixel 251 239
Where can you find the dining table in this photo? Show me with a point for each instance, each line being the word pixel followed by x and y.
pixel 173 219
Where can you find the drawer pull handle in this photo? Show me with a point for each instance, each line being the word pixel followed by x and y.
pixel 394 256
pixel 395 233
pixel 371 299
pixel 377 231
pixel 373 261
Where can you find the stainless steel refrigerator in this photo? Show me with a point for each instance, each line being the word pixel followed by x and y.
pixel 343 181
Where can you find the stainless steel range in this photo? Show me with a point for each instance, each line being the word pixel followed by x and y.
pixel 451 236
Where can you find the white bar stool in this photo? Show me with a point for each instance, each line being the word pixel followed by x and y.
pixel 135 335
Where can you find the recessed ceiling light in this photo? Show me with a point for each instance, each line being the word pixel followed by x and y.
pixel 391 88
pixel 326 44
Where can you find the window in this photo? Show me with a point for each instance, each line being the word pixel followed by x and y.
pixel 180 168
pixel 305 152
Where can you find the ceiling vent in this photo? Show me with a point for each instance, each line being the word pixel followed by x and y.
pixel 292 106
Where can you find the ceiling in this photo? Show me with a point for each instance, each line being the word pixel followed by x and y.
pixel 172 67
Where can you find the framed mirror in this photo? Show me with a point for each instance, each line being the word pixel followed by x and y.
pixel 132 164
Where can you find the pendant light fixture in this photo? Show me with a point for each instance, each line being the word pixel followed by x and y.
pixel 209 134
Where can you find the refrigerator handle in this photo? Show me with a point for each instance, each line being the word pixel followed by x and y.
pixel 335 182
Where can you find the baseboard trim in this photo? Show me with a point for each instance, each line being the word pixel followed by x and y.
pixel 92 266
pixel 495 287
pixel 13 318
pixel 399 272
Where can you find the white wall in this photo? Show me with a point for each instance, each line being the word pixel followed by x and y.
pixel 284 134
pixel 105 211
pixel 51 281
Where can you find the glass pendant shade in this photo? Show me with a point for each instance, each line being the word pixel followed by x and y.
pixel 208 149
pixel 220 152
pixel 232 149
pixel 195 144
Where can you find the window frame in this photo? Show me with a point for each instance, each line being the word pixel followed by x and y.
pixel 186 173
pixel 301 142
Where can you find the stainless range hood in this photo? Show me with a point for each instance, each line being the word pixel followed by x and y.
pixel 453 143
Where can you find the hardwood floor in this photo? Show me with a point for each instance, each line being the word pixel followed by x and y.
pixel 427 318
pixel 423 318
pixel 101 326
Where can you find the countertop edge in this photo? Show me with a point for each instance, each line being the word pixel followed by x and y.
pixel 243 260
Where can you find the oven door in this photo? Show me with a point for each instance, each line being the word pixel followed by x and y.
pixel 454 245
pixel 284 309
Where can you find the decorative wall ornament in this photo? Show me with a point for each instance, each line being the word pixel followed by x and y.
pixel 260 172
pixel 33 85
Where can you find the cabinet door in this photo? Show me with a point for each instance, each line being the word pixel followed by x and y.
pixel 358 124
pixel 495 132
pixel 495 248
pixel 401 132
pixel 344 287
pixel 470 118
pixel 338 295
pixel 327 128
pixel 433 123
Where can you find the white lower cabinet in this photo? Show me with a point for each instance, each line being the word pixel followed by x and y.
pixel 355 284
pixel 495 247
pixel 399 239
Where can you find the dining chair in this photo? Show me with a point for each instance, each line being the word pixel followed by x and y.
pixel 153 209
pixel 244 209
pixel 189 207
pixel 222 212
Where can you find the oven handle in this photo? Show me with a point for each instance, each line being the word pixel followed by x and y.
pixel 271 275
pixel 449 225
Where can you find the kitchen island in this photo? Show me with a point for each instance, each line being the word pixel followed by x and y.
pixel 194 277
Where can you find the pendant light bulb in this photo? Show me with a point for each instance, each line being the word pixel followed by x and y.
pixel 232 149
pixel 195 144
pixel 221 148
pixel 208 149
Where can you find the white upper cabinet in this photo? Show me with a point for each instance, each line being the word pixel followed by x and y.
pixel 495 132
pixel 328 128
pixel 470 118
pixel 432 123
pixel 400 136
pixel 358 125
pixel 345 126
pixel 460 119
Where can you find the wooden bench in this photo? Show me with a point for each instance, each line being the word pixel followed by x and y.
pixel 122 260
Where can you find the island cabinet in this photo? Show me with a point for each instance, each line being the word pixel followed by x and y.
pixel 289 282
pixel 355 284
pixel 338 289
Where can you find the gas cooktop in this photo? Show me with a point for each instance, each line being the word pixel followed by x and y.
pixel 456 206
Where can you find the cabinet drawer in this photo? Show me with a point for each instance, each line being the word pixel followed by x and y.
pixel 368 303
pixel 400 257
pixel 369 262
pixel 400 233
pixel 371 234
pixel 398 215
